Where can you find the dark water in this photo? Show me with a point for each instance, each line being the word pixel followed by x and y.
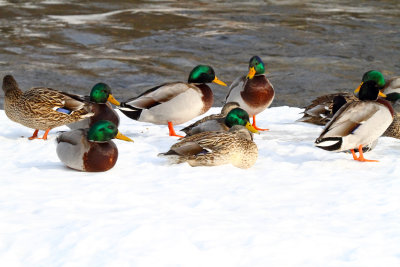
pixel 310 47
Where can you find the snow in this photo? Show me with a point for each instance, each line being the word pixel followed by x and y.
pixel 297 206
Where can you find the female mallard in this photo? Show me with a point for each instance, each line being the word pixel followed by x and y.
pixel 358 123
pixel 236 116
pixel 100 98
pixel 216 148
pixel 253 92
pixel 91 149
pixel 174 103
pixel 321 109
pixel 42 108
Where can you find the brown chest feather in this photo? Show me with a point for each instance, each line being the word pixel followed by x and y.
pixel 208 96
pixel 257 91
pixel 100 157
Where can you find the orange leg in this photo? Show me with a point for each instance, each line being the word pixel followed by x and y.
pixel 254 125
pixel 172 131
pixel 361 156
pixel 35 135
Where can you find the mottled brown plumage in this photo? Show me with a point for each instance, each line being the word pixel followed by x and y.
pixel 216 148
pixel 42 108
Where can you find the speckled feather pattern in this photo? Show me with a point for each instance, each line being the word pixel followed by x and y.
pixel 219 148
pixel 394 128
pixel 35 108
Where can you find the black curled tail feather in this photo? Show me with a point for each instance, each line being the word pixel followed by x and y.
pixel 129 111
pixel 329 143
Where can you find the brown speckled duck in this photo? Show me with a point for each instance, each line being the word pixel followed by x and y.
pixel 253 92
pixel 235 147
pixel 42 108
pixel 176 102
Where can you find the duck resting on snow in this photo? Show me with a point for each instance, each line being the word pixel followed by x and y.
pixel 359 123
pixel 90 150
pixel 176 102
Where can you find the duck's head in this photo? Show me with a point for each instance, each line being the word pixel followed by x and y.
pixel 204 74
pixel 9 83
pixel 256 67
pixel 103 131
pixel 238 116
pixel 101 93
pixel 369 90
pixel 374 75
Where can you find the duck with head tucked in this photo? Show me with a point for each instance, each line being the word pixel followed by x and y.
pixel 253 92
pixel 234 147
pixel 42 108
pixel 90 150
pixel 358 123
pixel 100 98
pixel 176 102
pixel 236 116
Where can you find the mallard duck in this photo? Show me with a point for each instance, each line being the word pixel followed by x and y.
pixel 216 148
pixel 42 108
pixel 90 150
pixel 358 123
pixel 100 98
pixel 236 116
pixel 320 111
pixel 176 102
pixel 253 92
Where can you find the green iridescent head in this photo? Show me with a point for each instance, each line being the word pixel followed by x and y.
pixel 256 67
pixel 204 74
pixel 393 96
pixel 100 93
pixel 238 116
pixel 102 131
pixel 376 76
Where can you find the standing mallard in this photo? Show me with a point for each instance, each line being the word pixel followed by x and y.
pixel 236 116
pixel 90 150
pixel 253 92
pixel 358 123
pixel 42 108
pixel 176 102
pixel 321 109
pixel 100 98
pixel 216 148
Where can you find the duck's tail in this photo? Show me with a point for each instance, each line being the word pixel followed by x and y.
pixel 329 143
pixel 129 111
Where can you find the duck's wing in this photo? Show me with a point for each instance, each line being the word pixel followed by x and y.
pixel 237 84
pixel 71 137
pixel 350 117
pixel 158 95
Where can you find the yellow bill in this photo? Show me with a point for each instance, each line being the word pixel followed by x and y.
pixel 113 100
pixel 358 88
pixel 251 73
pixel 120 136
pixel 218 81
pixel 382 94
pixel 251 128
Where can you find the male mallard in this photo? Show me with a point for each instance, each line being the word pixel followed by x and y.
pixel 321 110
pixel 176 102
pixel 100 96
pixel 91 149
pixel 42 108
pixel 216 148
pixel 253 92
pixel 236 116
pixel 358 123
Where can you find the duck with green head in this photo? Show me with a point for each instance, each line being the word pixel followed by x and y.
pixel 176 102
pixel 321 109
pixel 253 92
pixel 42 108
pixel 236 116
pixel 358 123
pixel 100 98
pixel 90 150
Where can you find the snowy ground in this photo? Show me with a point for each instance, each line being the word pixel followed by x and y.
pixel 297 206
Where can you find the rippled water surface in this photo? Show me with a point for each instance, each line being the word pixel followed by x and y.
pixel 310 47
